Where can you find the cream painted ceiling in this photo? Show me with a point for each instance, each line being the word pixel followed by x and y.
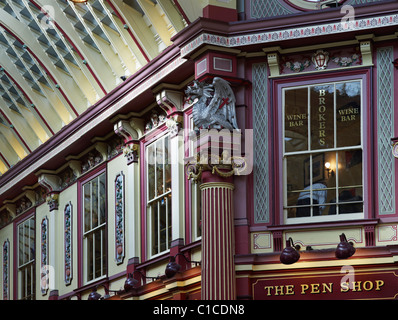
pixel 58 58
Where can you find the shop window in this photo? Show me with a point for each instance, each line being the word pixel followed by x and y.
pixel 158 170
pixel 322 152
pixel 94 224
pixel 26 260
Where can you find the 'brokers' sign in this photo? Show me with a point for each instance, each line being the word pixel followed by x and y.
pixel 348 284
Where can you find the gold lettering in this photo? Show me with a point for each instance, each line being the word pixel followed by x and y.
pixel 289 289
pixel 379 284
pixel 370 287
pixel 328 287
pixel 304 288
pixel 279 290
pixel 322 109
pixel 322 93
pixel 268 288
pixel 356 286
pixel 345 286
pixel 315 288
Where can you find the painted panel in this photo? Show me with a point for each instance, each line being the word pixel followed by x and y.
pixel 385 130
pixel 261 151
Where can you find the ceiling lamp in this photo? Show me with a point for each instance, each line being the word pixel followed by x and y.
pixel 79 1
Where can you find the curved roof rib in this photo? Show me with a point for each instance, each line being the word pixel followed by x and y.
pixel 58 58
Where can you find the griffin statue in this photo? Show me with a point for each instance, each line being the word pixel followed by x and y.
pixel 215 107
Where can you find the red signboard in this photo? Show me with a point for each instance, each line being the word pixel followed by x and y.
pixel 347 284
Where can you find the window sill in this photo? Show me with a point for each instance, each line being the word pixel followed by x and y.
pixel 329 224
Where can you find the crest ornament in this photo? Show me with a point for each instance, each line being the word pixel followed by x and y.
pixel 320 59
pixel 215 107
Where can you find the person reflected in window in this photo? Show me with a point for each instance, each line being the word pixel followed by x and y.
pixel 319 194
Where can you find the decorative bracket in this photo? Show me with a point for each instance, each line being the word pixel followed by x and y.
pixel 273 63
pixel 130 131
pixel 52 183
pixel 170 101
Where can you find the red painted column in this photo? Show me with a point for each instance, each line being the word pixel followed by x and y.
pixel 218 268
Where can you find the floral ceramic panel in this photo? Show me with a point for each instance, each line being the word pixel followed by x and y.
pixel 68 243
pixel 119 218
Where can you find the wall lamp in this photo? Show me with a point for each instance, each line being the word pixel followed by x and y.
pixel 94 295
pixel 291 253
pixel 344 249
pixel 173 267
pixel 330 171
pixel 131 283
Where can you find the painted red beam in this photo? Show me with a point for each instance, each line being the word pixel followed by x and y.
pixel 15 130
pixel 5 160
pixel 30 101
pixel 182 12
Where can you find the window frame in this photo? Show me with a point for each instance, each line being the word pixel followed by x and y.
pixel 363 75
pixel 94 174
pixel 160 134
pixel 31 214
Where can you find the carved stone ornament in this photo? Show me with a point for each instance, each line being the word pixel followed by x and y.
pixel 130 151
pixel 215 107
pixel 174 124
pixel 52 201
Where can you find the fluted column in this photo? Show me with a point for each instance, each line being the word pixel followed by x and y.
pixel 218 268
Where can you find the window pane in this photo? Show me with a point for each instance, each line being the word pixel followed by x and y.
pixel 151 171
pixel 167 164
pixel 350 181
pixel 32 239
pixel 21 244
pixel 102 195
pixel 94 203
pixel 87 206
pixel 169 220
pixel 163 224
pixel 296 120
pixel 98 252
pixel 89 255
pixel 159 167
pixel 322 117
pixel 154 231
pixel 104 257
pixel 348 113
pixel 26 242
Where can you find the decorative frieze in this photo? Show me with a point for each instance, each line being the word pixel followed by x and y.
pixel 275 36
pixel 321 60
